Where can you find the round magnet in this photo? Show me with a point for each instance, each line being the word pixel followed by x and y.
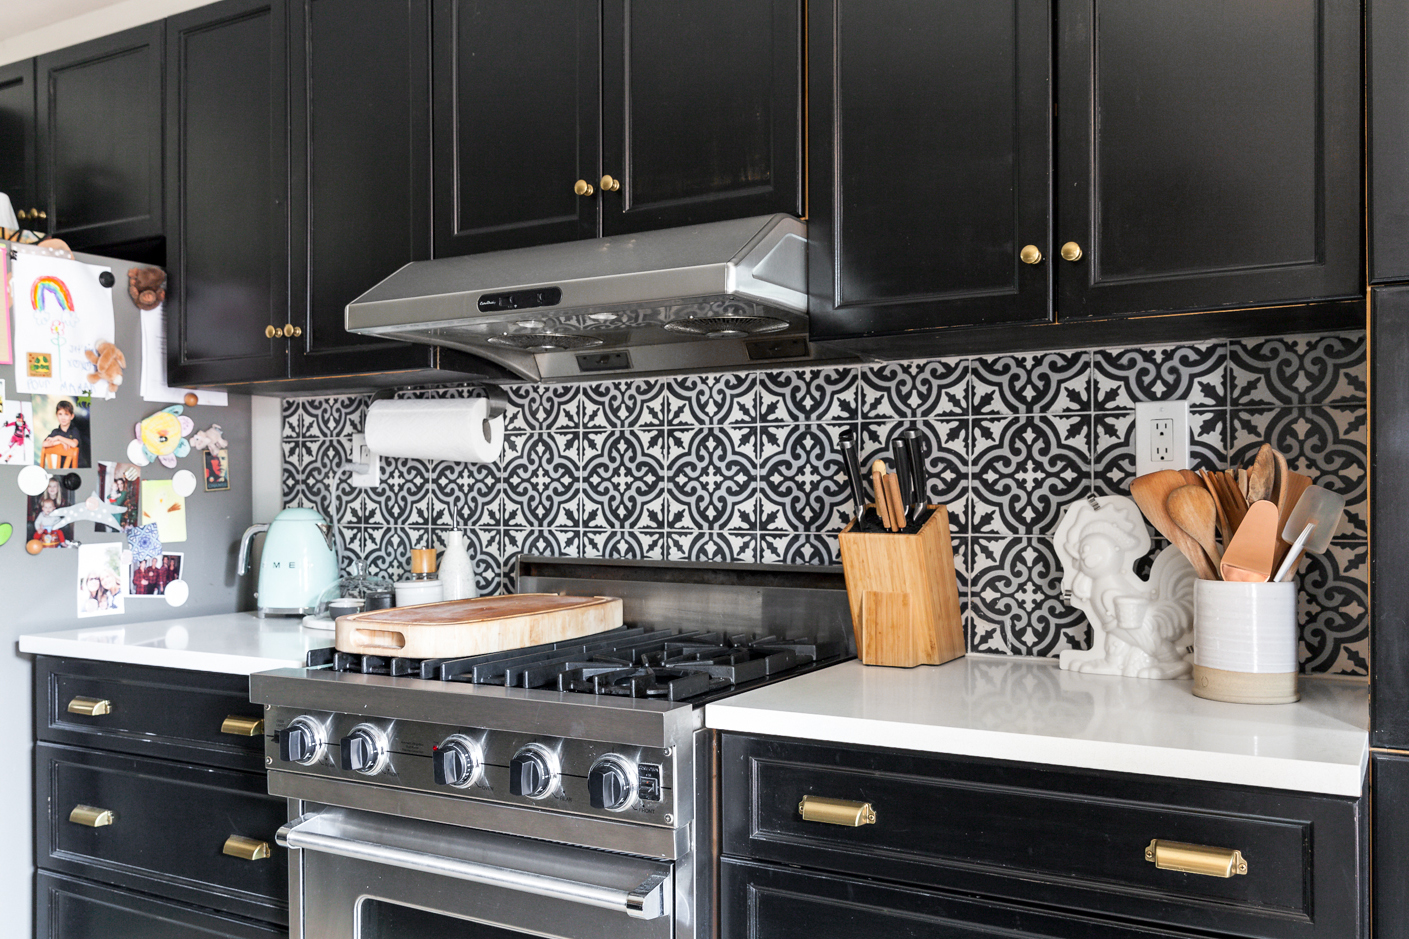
pixel 137 454
pixel 184 482
pixel 177 593
pixel 106 278
pixel 5 531
pixel 71 481
pixel 32 480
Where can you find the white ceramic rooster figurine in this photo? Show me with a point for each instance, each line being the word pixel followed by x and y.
pixel 1140 629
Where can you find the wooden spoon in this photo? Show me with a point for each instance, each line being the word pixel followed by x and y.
pixel 1193 510
pixel 1262 477
pixel 1249 558
pixel 1191 478
pixel 1151 493
pixel 1216 484
pixel 1243 484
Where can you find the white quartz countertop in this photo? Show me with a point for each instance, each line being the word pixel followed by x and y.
pixel 1031 711
pixel 233 643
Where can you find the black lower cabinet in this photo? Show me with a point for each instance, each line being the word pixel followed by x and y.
pixel 70 908
pixel 1067 840
pixel 760 901
pixel 1391 867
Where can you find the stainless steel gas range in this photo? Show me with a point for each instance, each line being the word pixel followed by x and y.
pixel 559 791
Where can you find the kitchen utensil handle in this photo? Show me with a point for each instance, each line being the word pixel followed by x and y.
pixel 650 899
pixel 915 441
pixel 901 450
pixel 1293 554
pixel 851 462
pixel 245 546
pixel 1196 858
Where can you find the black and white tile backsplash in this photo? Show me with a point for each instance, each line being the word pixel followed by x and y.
pixel 743 467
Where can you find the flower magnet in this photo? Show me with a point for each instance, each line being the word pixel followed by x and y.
pixel 161 437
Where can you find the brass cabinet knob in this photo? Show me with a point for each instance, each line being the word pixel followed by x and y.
pixel 1071 251
pixel 242 726
pixel 21 215
pixel 1030 254
pixel 271 332
pixel 583 188
pixel 42 214
pixel 90 816
pixel 90 707
pixel 248 849
pixel 610 185
pixel 290 331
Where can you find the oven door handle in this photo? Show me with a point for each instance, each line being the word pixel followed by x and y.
pixel 648 900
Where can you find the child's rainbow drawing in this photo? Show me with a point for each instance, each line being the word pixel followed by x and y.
pixel 47 289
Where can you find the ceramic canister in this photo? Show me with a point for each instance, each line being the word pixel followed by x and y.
pixel 1245 642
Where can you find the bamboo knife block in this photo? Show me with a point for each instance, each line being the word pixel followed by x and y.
pixel 903 593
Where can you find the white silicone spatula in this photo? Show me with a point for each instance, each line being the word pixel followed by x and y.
pixel 1311 526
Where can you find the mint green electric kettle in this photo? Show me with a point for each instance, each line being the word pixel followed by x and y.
pixel 298 563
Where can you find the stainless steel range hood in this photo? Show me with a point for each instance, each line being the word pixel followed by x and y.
pixel 705 297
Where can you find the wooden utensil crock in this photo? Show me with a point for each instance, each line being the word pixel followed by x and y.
pixel 904 594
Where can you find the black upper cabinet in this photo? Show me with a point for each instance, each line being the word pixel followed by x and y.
pixel 99 117
pixel 516 122
pixel 360 148
pixel 692 108
pixel 17 130
pixel 227 180
pixel 700 111
pixel 1208 154
pixel 1387 66
pixel 1389 504
pixel 929 164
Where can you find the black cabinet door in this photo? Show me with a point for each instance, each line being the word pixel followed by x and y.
pixel 227 190
pixel 70 908
pixel 1208 154
pixel 929 164
pixel 100 138
pixel 360 152
pixel 17 134
pixel 516 88
pixel 701 111
pixel 1390 776
pixel 1389 506
pixel 1387 81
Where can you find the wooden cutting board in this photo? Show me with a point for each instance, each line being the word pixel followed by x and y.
pixel 471 627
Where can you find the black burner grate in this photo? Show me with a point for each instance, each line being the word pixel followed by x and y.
pixel 634 661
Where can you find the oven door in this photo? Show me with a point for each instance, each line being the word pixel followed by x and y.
pixel 363 875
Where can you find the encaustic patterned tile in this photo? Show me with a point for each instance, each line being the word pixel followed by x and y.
pixel 802 487
pixel 1015 603
pixel 713 479
pixel 633 545
pixel 627 405
pixel 807 395
pixel 1025 470
pixel 1122 377
pixel 542 487
pixel 724 399
pixel 1286 370
pixel 623 479
pixel 1052 382
pixel 945 444
pixel 1334 610
pixel 920 389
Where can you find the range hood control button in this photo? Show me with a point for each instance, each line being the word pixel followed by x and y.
pixel 611 783
pixel 364 750
pixel 457 762
pixel 533 772
pixel 303 741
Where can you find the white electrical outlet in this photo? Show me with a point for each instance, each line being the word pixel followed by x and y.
pixel 1161 436
pixel 358 453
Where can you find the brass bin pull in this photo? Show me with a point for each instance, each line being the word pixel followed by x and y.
pixel 90 707
pixel 248 849
pixel 1196 858
pixel 836 811
pixel 239 726
pixel 91 816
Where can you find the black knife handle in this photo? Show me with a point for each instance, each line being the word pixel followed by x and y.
pixel 851 463
pixel 901 448
pixel 915 442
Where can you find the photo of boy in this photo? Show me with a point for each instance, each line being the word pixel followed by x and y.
pixel 41 524
pixel 60 433
pixel 16 448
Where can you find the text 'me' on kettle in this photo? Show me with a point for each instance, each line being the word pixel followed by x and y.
pixel 297 566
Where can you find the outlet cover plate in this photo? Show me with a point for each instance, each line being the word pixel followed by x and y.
pixel 1161 436
pixel 358 453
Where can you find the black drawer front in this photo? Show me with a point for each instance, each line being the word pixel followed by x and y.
pixel 68 908
pixel 171 713
pixel 1066 838
pixel 170 826
pixel 760 901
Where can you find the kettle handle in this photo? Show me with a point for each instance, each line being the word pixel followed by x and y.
pixel 245 545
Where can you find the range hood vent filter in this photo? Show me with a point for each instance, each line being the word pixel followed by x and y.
pixel 726 327
pixel 545 342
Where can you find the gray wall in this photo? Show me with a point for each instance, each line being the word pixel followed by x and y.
pixel 39 591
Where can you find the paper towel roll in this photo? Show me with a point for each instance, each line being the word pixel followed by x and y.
pixel 435 429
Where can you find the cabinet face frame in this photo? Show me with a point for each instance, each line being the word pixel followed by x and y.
pixel 1026 298
pixel 17 85
pixel 269 210
pixel 1334 271
pixel 1387 111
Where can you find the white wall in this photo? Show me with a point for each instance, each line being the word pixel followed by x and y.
pixel 110 19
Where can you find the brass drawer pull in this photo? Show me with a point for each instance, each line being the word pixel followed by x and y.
pixel 1196 858
pixel 248 849
pixel 239 726
pixel 90 707
pixel 836 811
pixel 91 816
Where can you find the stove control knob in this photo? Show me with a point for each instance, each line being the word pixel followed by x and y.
pixel 533 772
pixel 458 762
pixel 302 741
pixel 611 783
pixel 364 750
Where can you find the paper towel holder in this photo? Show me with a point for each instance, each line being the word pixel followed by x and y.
pixel 498 401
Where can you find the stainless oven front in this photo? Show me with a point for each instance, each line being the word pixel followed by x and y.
pixel 366 875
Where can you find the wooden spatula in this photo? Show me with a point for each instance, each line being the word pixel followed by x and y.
pixel 878 480
pixel 1250 557
pixel 1262 477
pixel 1215 483
pixel 1293 488
pixel 1192 509
pixel 1151 493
